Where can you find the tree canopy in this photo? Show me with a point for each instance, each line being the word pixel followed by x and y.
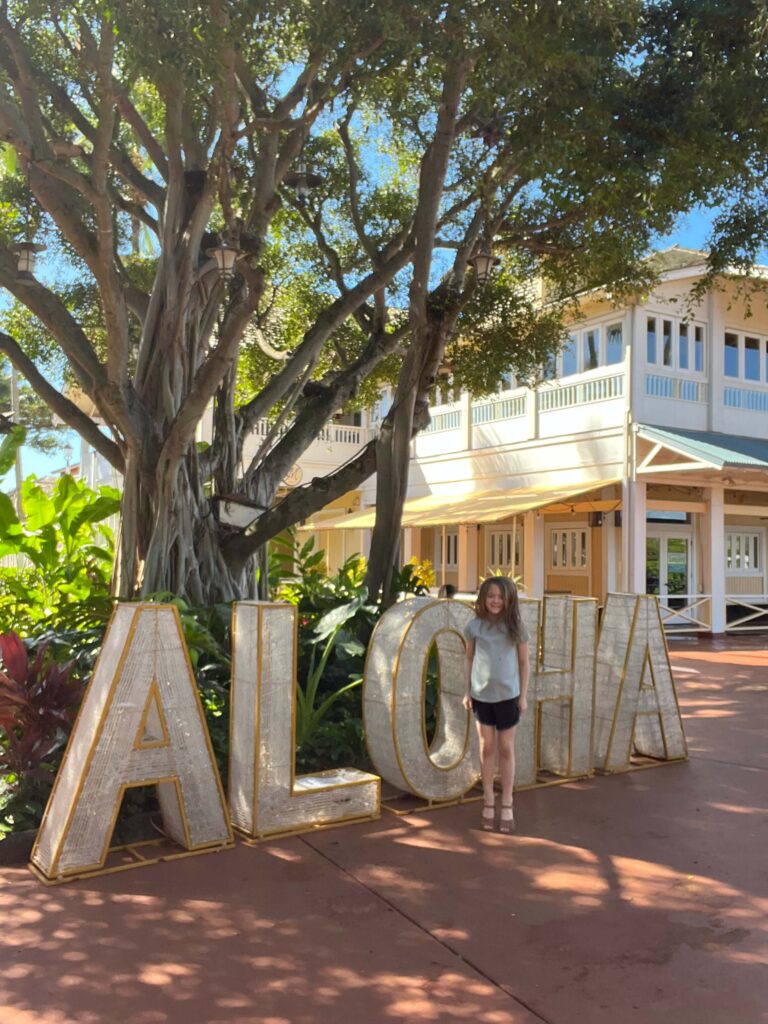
pixel 355 155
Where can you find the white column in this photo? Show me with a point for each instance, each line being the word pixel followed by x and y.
pixel 714 346
pixel 531 414
pixel 533 554
pixel 637 362
pixel 407 552
pixel 610 553
pixel 635 513
pixel 465 404
pixel 468 558
pixel 623 550
pixel 713 544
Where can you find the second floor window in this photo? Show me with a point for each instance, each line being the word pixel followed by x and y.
pixel 745 357
pixel 587 349
pixel 674 344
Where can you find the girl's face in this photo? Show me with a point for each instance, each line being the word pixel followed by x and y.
pixel 494 601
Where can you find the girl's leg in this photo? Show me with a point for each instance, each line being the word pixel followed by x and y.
pixel 506 740
pixel 487 737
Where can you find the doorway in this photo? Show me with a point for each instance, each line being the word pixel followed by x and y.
pixel 669 568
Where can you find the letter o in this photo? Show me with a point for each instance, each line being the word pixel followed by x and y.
pixel 393 700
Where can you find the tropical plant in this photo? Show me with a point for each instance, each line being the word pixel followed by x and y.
pixel 415 577
pixel 38 702
pixel 65 552
pixel 329 637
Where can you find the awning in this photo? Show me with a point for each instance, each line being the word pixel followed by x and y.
pixel 701 449
pixel 478 507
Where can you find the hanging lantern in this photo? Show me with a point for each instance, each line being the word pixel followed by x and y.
pixel 225 256
pixel 26 254
pixel 302 181
pixel 483 264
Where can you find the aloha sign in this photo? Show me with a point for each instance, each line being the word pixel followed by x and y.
pixel 594 699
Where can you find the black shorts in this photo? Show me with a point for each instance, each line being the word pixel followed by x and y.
pixel 504 714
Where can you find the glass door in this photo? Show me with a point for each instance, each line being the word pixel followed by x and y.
pixel 669 568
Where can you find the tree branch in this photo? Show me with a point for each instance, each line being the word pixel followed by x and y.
pixel 60 404
pixel 328 321
pixel 301 503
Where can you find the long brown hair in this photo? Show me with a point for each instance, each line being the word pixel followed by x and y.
pixel 511 614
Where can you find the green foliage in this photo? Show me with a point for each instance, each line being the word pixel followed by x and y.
pixel 333 611
pixel 34 415
pixel 10 444
pixel 38 703
pixel 329 635
pixel 414 577
pixel 65 550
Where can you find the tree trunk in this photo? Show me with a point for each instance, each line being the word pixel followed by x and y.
pixel 409 414
pixel 171 540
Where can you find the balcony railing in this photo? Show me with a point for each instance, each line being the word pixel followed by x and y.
pixel 680 388
pixel 332 433
pixel 500 409
pixel 562 396
pixel 444 421
pixel 746 398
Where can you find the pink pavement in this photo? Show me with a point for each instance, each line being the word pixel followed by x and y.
pixel 634 898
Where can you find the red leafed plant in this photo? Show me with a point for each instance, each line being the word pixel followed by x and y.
pixel 38 702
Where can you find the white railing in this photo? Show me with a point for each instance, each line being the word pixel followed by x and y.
pixel 754 613
pixel 499 409
pixel 332 433
pixel 745 398
pixel 561 396
pixel 692 617
pixel 680 388
pixel 444 421
pixel 343 434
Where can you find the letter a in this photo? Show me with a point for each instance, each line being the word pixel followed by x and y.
pixel 141 723
pixel 635 699
pixel 265 795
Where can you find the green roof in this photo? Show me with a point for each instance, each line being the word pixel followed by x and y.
pixel 720 450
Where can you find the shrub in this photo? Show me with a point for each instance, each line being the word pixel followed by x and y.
pixel 66 551
pixel 38 702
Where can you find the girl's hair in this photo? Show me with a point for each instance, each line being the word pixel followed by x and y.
pixel 511 612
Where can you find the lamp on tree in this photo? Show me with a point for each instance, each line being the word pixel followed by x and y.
pixel 26 254
pixel 226 257
pixel 483 263
pixel 302 181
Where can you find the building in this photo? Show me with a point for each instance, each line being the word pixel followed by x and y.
pixel 643 467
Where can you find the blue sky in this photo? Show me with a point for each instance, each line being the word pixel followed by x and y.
pixel 692 232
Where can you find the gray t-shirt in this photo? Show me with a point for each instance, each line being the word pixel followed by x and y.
pixel 495 666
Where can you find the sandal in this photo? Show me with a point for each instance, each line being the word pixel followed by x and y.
pixel 489 814
pixel 507 819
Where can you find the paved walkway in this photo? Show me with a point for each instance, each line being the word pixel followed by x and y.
pixel 634 898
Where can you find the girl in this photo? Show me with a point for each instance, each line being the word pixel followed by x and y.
pixel 496 677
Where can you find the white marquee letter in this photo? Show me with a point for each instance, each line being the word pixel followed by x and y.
pixel 555 734
pixel 393 700
pixel 635 700
pixel 141 723
pixel 265 797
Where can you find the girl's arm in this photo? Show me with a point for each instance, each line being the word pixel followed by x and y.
pixel 525 671
pixel 470 654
